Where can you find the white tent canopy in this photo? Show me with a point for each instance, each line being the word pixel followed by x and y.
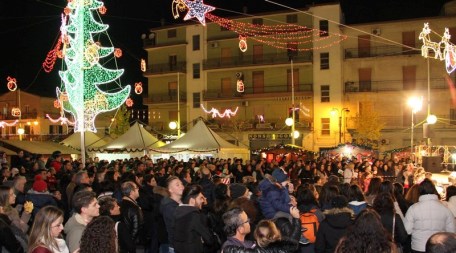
pixel 201 139
pixel 135 139
pixel 91 140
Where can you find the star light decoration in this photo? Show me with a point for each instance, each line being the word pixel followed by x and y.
pixel 197 9
pixel 216 113
pixel 84 71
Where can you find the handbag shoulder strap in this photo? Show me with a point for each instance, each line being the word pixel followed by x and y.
pixel 394 225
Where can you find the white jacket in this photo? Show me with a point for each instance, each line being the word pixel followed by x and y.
pixel 451 204
pixel 427 217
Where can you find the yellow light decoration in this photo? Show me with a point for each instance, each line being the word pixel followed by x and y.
pixel 143 65
pixel 449 49
pixel 216 113
pixel 83 73
pixel 4 123
pixel 12 85
pixel 15 112
pixel 178 6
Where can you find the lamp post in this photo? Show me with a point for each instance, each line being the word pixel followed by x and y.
pixel 415 104
pixel 294 133
pixel 335 111
pixel 178 107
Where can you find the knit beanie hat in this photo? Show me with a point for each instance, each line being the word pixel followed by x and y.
pixel 39 185
pixel 237 190
pixel 279 175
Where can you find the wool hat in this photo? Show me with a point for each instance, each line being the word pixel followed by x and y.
pixel 339 201
pixel 39 185
pixel 237 190
pixel 279 175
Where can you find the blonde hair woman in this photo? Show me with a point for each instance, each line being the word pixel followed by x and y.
pixel 45 233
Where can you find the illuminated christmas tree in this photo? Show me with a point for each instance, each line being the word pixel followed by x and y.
pixel 80 93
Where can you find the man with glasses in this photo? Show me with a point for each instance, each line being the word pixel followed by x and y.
pixel 237 226
pixel 132 218
pixel 191 233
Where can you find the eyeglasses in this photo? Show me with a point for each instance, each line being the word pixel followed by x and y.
pixel 247 221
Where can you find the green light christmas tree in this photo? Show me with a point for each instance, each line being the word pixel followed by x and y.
pixel 80 93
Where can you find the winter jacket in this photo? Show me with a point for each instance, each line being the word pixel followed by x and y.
pixel 357 206
pixel 132 217
pixel 40 200
pixel 451 204
pixel 192 230
pixel 332 228
pixel 282 246
pixel 273 199
pixel 427 217
pixel 7 238
pixel 167 209
pixel 400 234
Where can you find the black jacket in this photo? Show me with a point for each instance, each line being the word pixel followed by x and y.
pixel 332 228
pixel 7 238
pixel 190 230
pixel 132 218
pixel 400 234
pixel 167 208
pixel 283 246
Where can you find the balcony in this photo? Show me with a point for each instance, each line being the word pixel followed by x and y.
pixel 392 85
pixel 26 115
pixel 165 98
pixel 151 43
pixel 382 51
pixel 266 90
pixel 250 125
pixel 250 60
pixel 166 68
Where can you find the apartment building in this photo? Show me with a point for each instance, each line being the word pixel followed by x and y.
pixel 191 66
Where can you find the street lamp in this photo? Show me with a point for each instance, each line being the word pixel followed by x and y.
pixel 415 104
pixel 294 133
pixel 172 125
pixel 335 112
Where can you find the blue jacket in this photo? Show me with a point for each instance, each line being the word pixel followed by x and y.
pixel 273 199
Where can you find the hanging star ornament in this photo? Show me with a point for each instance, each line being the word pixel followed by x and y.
pixel 197 9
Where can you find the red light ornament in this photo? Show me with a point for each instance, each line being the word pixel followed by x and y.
pixel 138 88
pixel 102 10
pixel 57 103
pixel 143 65
pixel 16 112
pixel 242 43
pixel 118 52
pixel 12 85
pixel 129 102
pixel 240 86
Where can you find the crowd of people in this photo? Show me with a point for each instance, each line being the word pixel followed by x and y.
pixel 212 205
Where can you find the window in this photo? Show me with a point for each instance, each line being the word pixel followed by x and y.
pixel 257 54
pixel 172 115
pixel 258 81
pixel 196 70
pixel 324 60
pixel 325 126
pixel 408 39
pixel 172 89
pixel 257 21
pixel 292 18
pixel 196 42
pixel 364 46
pixel 324 93
pixel 172 60
pixel 409 77
pixel 172 33
pixel 324 28
pixel 53 129
pixel 196 99
pixel 226 87
pixel 365 79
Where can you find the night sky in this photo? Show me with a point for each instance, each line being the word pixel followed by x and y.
pixel 29 29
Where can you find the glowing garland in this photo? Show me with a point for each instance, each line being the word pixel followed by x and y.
pixel 62 119
pixel 287 36
pixel 4 123
pixel 216 113
pixel 449 50
pixel 84 72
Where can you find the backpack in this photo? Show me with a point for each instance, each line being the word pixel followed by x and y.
pixel 310 224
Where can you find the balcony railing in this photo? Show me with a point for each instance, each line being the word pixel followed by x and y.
pixel 25 115
pixel 351 53
pixel 219 94
pixel 255 60
pixel 151 43
pixel 393 85
pixel 165 98
pixel 166 68
pixel 273 124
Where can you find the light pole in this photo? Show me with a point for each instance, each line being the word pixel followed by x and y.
pixel 178 108
pixel 335 111
pixel 415 104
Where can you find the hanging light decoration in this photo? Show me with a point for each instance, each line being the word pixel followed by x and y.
pixel 12 85
pixel 138 88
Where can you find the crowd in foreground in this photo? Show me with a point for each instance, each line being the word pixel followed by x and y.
pixel 222 205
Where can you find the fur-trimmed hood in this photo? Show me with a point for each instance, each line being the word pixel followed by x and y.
pixel 161 191
pixel 339 217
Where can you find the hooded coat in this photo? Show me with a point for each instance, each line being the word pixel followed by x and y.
pixel 332 228
pixel 273 199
